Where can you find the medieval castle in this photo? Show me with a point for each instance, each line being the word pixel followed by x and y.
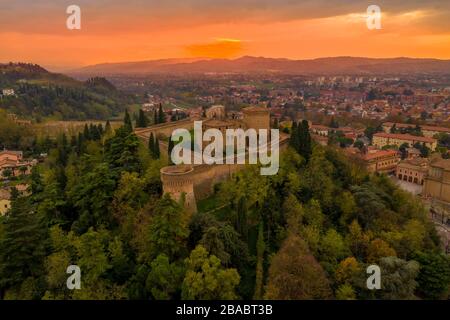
pixel 196 182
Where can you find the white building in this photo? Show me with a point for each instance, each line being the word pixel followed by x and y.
pixel 8 92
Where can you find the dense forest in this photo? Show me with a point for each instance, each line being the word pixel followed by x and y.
pixel 40 94
pixel 308 232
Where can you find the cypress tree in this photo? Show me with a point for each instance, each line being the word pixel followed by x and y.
pixel 73 142
pixel 293 142
pixel 300 137
pixel 260 248
pixel 142 121
pixel 100 129
pixel 157 151
pixel 169 151
pixel 161 117
pixel 151 145
pixel 241 221
pixel 127 122
pixel 108 127
pixel 86 133
pixel 305 140
pixel 155 117
pixel 80 142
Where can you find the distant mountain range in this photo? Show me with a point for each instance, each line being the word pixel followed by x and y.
pixel 247 64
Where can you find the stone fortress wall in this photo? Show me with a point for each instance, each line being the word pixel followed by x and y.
pixel 197 182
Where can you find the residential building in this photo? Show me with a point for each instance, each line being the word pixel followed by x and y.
pixel 412 170
pixel 13 161
pixel 382 161
pixel 437 183
pixel 382 139
pixel 428 131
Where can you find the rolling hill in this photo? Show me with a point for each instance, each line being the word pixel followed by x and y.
pixel 40 93
pixel 247 64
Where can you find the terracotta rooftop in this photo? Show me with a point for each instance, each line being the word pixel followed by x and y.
pixel 442 163
pixel 404 137
pixel 255 109
pixel 423 127
pixel 379 154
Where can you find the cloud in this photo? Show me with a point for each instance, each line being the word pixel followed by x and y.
pixel 106 16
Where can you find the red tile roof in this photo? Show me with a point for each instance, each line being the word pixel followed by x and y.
pixel 404 137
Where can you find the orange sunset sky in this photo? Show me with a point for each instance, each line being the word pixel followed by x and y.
pixel 133 30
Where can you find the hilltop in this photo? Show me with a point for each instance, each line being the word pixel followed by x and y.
pixel 40 93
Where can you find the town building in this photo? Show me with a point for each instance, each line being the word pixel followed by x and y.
pixel 428 131
pixel 13 161
pixel 215 112
pixel 320 130
pixel 412 170
pixel 412 153
pixel 381 161
pixel 382 139
pixel 437 183
pixel 8 92
pixel 376 160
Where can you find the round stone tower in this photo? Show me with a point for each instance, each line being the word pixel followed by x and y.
pixel 178 180
pixel 256 118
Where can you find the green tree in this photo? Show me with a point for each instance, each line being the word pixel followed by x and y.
pixel 212 241
pixel 332 248
pixel 142 121
pixel 293 141
pixel 165 278
pixel 168 230
pixel 169 151
pixel 345 292
pixel 108 128
pixel 398 278
pixel 151 145
pixel 161 115
pixel 157 151
pixel 304 140
pixel 122 152
pixel 260 250
pixel 295 274
pixel 92 196
pixel 128 125
pixel 434 275
pixel 23 170
pixel 155 117
pixel 359 144
pixel 7 173
pixel 23 245
pixel 206 279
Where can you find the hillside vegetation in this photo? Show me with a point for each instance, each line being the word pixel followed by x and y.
pixel 42 94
